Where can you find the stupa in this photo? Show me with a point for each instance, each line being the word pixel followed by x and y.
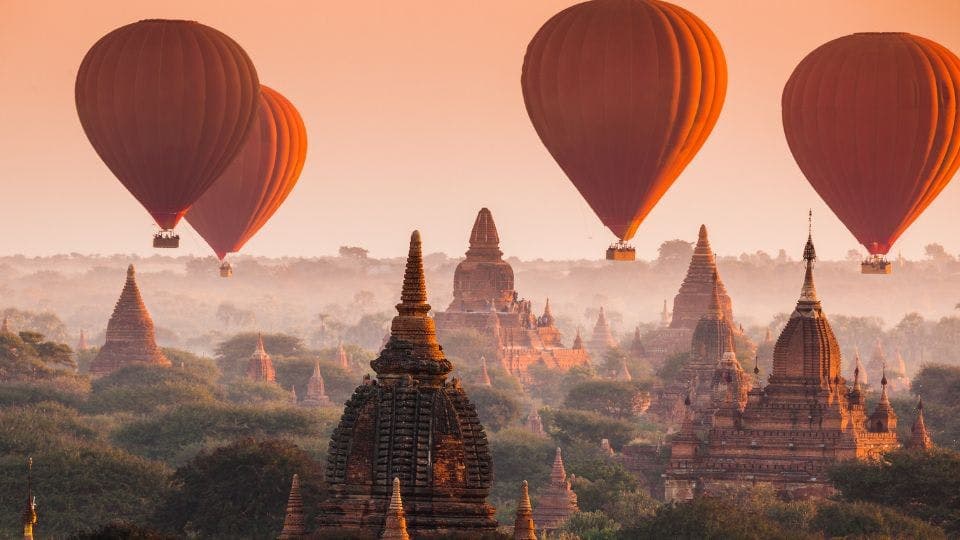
pixel 130 334
pixel 484 379
pixel 484 301
pixel 260 365
pixel 294 524
pixel 793 429
pixel 557 500
pixel 316 394
pixel 413 424
pixel 523 525
pixel 692 301
pixel 82 343
pixel 342 359
pixel 395 526
pixel 919 438
pixel 602 339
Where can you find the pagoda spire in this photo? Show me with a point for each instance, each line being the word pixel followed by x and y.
pixel 558 474
pixel 624 374
pixel 395 525
pixel 859 374
pixel 484 376
pixel 294 524
pixel 29 515
pixel 547 318
pixel 342 360
pixel 130 333
pixel 664 314
pixel 5 327
pixel 523 527
pixel 82 343
pixel 260 365
pixel 883 419
pixel 413 349
pixel 578 340
pixel 919 438
pixel 714 309
pixel 484 238
pixel 808 292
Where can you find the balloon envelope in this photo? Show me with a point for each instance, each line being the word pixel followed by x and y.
pixel 166 104
pixel 623 93
pixel 258 180
pixel 872 122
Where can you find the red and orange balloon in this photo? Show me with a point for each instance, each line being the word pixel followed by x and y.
pixel 166 104
pixel 258 180
pixel 623 93
pixel 872 122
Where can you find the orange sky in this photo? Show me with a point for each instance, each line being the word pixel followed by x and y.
pixel 416 120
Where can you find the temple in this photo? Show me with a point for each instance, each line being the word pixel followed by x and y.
pixel 342 359
pixel 130 334
pixel 260 365
pixel 919 438
pixel 523 525
pixel 294 524
pixel 484 301
pixel 316 394
pixel 557 500
pixel 791 430
pixel 82 344
pixel 692 301
pixel 395 525
pixel 29 516
pixel 602 339
pixel 410 423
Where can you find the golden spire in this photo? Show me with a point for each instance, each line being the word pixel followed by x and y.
pixel 294 525
pixel 29 516
pixel 395 524
pixel 523 527
pixel 413 348
pixel 808 293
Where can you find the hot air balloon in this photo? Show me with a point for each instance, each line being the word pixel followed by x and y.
pixel 166 104
pixel 257 181
pixel 872 122
pixel 623 93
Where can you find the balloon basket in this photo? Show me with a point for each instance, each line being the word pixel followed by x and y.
pixel 226 270
pixel 621 252
pixel 166 239
pixel 877 265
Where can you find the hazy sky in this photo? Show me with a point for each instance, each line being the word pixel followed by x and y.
pixel 416 120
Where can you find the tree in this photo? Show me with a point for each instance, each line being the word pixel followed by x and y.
pixel 142 388
pixel 497 409
pixel 938 384
pixel 592 526
pixel 925 485
pixel 613 399
pixel 569 426
pixel 865 520
pixel 674 254
pixel 353 252
pixel 240 490
pixel 28 356
pixel 708 518
pixel 232 354
pixel 517 456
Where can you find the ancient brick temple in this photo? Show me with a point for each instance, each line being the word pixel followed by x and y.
pixel 294 523
pixel 260 365
pixel 316 394
pixel 805 419
pixel 692 301
pixel 711 372
pixel 919 438
pixel 413 424
pixel 602 339
pixel 484 300
pixel 130 334
pixel 557 501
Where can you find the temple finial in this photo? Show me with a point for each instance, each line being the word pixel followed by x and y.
pixel 29 516
pixel 808 293
pixel 413 297
pixel 395 524
pixel 523 526
pixel 294 524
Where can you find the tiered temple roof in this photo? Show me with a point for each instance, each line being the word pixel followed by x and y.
pixel 919 438
pixel 484 301
pixel 523 525
pixel 130 334
pixel 260 365
pixel 791 430
pixel 413 424
pixel 294 524
pixel 557 500
pixel 696 292
pixel 395 526
pixel 316 395
pixel 602 339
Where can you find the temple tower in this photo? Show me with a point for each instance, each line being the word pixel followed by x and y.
pixel 484 376
pixel 316 395
pixel 919 438
pixel 29 516
pixel 535 423
pixel 602 339
pixel 694 297
pixel 260 365
pixel 294 524
pixel 413 424
pixel 557 500
pixel 395 525
pixel 130 334
pixel 483 279
pixel 523 526
pixel 342 359
pixel 82 344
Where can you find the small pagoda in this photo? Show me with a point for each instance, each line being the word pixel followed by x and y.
pixel 602 339
pixel 260 365
pixel 316 395
pixel 413 424
pixel 130 334
pixel 557 500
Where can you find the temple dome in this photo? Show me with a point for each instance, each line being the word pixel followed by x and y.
pixel 483 280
